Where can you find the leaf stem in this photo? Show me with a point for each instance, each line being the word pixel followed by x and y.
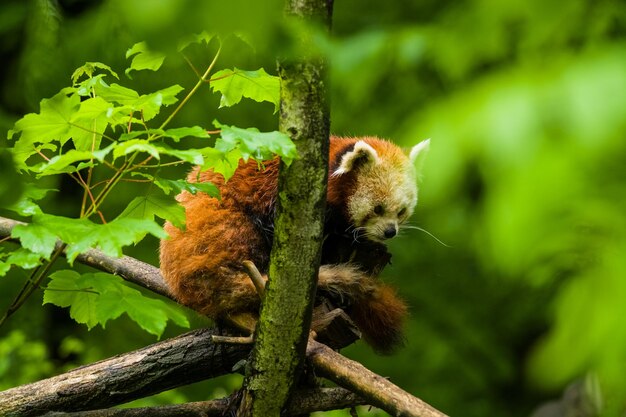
pixel 87 185
pixel 201 81
pixel 167 164
pixel 192 66
pixel 32 284
pixel 102 135
pixel 86 290
pixel 109 185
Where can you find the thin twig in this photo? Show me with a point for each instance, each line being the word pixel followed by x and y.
pixel 192 66
pixel 31 285
pixel 235 340
pixel 193 90
pixel 255 276
pixel 167 164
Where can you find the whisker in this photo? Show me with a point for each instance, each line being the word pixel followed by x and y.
pixel 357 232
pixel 427 232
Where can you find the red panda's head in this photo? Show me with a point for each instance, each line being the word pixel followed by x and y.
pixel 384 186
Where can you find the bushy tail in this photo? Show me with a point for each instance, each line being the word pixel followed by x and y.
pixel 374 306
pixel 380 317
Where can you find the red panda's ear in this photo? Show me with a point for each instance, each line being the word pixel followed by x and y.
pixel 361 155
pixel 418 155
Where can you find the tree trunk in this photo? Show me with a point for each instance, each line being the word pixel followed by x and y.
pixel 298 228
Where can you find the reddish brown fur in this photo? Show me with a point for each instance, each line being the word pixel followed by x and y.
pixel 380 316
pixel 202 264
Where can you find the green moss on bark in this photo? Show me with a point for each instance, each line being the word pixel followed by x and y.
pixel 283 328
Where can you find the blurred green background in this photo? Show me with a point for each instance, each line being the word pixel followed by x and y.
pixel 525 102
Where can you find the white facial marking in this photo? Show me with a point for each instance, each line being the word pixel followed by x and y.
pixel 394 189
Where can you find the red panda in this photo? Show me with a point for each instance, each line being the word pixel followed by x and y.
pixel 372 190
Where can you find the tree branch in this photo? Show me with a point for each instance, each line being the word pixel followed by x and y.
pixel 188 358
pixel 131 269
pixel 182 360
pixel 303 402
pixel 378 391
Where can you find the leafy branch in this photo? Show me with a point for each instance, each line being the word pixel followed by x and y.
pixel 66 138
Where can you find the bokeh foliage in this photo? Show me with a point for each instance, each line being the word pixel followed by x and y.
pixel 525 102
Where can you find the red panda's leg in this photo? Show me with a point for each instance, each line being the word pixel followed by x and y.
pixel 375 308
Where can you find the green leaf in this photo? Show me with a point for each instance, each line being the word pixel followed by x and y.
pixel 69 289
pixel 110 238
pixel 175 313
pixel 52 123
pixel 164 207
pixel 26 205
pixel 115 93
pixel 36 236
pixel 144 59
pixel 96 298
pixel 62 163
pixel 41 234
pixel 168 94
pixel 137 133
pixel 149 104
pixel 181 132
pixel 169 186
pixel 22 258
pixel 257 85
pixel 192 187
pixel 89 68
pixel 89 123
pixel 136 145
pixel 224 163
pixel 86 87
pixel 177 186
pixel 193 156
pixel 260 145
pixel 199 38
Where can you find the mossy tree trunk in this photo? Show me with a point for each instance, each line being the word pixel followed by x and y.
pixel 283 327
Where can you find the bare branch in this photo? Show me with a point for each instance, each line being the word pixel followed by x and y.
pixel 236 340
pixel 303 402
pixel 185 359
pixel 377 390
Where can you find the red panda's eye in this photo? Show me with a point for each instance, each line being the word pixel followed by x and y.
pixel 402 212
pixel 378 210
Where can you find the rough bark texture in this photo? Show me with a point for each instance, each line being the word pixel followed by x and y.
pixel 379 391
pixel 298 229
pixel 303 402
pixel 179 361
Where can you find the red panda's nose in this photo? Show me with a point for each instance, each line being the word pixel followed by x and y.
pixel 390 232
